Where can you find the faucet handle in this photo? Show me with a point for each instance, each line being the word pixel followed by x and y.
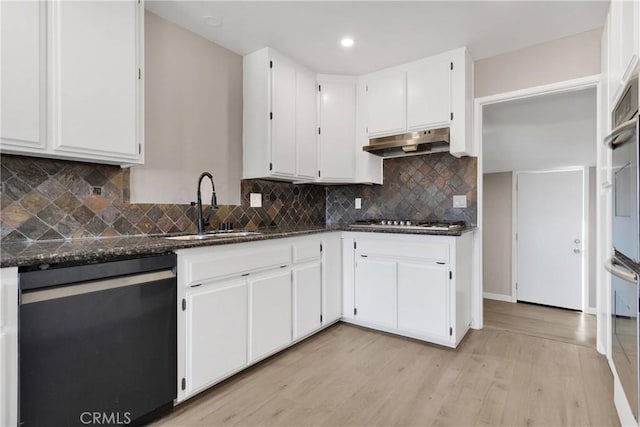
pixel 193 203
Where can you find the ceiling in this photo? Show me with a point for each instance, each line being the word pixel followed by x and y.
pixel 386 33
pixel 541 133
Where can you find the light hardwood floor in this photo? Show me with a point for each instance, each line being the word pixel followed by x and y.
pixel 545 322
pixel 349 376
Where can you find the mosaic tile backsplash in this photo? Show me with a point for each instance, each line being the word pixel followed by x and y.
pixel 416 187
pixel 45 199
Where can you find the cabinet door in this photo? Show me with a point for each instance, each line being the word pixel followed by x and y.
pixel 337 131
pixel 331 279
pixel 95 101
pixel 375 291
pixel 423 299
pixel 385 103
pixel 216 332
pixel 429 94
pixel 283 124
pixel 22 53
pixel 307 294
pixel 270 313
pixel 306 126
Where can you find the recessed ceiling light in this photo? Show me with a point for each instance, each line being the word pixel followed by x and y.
pixel 346 42
pixel 213 21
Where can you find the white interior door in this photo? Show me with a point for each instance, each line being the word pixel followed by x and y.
pixel 549 238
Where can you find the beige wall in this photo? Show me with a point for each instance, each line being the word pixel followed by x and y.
pixel 558 60
pixel 496 245
pixel 193 117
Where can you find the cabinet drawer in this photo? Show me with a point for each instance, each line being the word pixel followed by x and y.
pixel 306 250
pixel 233 262
pixel 435 251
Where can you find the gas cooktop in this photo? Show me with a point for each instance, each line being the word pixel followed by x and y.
pixel 411 225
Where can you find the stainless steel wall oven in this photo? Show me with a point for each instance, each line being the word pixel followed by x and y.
pixel 624 264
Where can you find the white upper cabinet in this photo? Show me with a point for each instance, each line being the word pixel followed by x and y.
pixel 306 133
pixel 85 102
pixel 337 129
pixel 23 90
pixel 283 115
pixel 385 103
pixel 279 118
pixel 429 93
pixel 623 45
pixel 95 78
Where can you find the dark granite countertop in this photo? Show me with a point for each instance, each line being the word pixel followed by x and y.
pixel 34 253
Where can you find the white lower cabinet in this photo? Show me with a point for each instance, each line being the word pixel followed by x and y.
pixel 270 313
pixel 240 303
pixel 216 314
pixel 331 278
pixel 375 291
pixel 307 294
pixel 412 285
pixel 423 299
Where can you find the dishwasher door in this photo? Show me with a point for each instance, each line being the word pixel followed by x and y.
pixel 101 351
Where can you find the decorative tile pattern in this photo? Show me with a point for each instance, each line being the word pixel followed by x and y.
pixel 416 187
pixel 45 199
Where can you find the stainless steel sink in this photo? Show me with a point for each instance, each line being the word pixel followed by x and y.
pixel 214 235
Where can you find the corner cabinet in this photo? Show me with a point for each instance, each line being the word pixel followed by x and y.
pixel 427 94
pixel 240 303
pixel 72 80
pixel 411 285
pixel 336 129
pixel 279 118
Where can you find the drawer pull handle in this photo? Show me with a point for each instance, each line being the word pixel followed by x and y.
pixel 364 256
pixel 441 263
pixel 245 274
pixel 283 266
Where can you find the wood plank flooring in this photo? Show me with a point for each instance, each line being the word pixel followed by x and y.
pixel 556 324
pixel 350 376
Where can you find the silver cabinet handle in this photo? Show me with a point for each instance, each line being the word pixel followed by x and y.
pixel 621 134
pixel 576 251
pixel 577 241
pixel 612 267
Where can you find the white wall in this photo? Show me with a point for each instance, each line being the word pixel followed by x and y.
pixel 193 117
pixel 540 133
pixel 558 60
pixel 496 244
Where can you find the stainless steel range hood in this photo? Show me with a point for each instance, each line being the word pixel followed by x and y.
pixel 408 144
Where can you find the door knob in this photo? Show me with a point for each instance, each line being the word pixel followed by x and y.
pixel 576 251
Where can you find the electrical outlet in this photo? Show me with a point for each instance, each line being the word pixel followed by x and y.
pixel 255 200
pixel 358 203
pixel 460 201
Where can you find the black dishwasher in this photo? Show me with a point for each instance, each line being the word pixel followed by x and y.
pixel 97 342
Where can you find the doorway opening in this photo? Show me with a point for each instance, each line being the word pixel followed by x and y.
pixel 538 160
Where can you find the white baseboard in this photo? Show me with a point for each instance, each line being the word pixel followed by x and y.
pixel 499 297
pixel 590 310
pixel 622 405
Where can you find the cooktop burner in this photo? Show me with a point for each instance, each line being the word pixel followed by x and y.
pixel 408 224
